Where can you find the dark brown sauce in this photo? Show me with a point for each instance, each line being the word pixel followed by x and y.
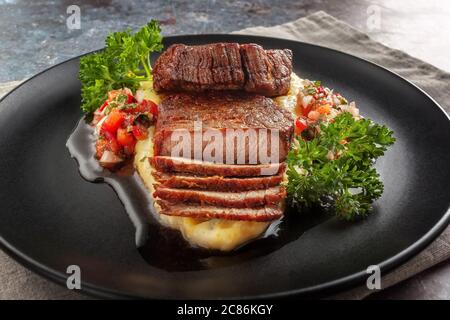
pixel 166 248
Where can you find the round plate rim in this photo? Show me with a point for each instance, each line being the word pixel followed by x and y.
pixel 330 286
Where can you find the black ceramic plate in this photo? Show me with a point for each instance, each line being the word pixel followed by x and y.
pixel 51 217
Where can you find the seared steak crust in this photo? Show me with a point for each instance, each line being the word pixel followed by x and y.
pixel 223 66
pixel 225 112
pixel 268 71
pixel 199 68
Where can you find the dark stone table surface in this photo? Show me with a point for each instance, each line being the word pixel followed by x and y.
pixel 34 36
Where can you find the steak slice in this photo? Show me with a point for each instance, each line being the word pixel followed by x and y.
pixel 223 66
pixel 244 123
pixel 266 213
pixel 246 199
pixel 198 68
pixel 268 71
pixel 216 183
pixel 201 168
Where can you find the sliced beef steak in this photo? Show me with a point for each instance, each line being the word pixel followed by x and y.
pixel 242 137
pixel 252 128
pixel 268 71
pixel 266 213
pixel 246 199
pixel 198 68
pixel 201 168
pixel 216 183
pixel 223 66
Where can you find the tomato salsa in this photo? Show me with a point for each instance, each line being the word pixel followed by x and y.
pixel 317 104
pixel 119 123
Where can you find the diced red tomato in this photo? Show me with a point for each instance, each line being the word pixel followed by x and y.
pixel 103 106
pixel 320 90
pixel 131 98
pixel 154 108
pixel 113 121
pixel 147 106
pixel 306 110
pixel 140 132
pixel 300 125
pixel 129 149
pixel 124 138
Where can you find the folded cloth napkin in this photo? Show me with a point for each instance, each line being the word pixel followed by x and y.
pixel 322 29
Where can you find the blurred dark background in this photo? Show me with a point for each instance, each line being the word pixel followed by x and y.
pixel 34 36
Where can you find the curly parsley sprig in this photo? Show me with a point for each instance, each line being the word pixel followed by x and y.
pixel 124 62
pixel 336 166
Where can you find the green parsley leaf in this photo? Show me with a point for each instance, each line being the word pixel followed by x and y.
pixel 124 62
pixel 347 180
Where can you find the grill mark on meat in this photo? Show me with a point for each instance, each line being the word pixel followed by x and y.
pixel 247 199
pixel 202 168
pixel 222 110
pixel 225 112
pixel 199 68
pixel 223 66
pixel 266 213
pixel 216 183
pixel 268 72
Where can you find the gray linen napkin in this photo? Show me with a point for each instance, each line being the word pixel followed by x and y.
pixel 322 29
